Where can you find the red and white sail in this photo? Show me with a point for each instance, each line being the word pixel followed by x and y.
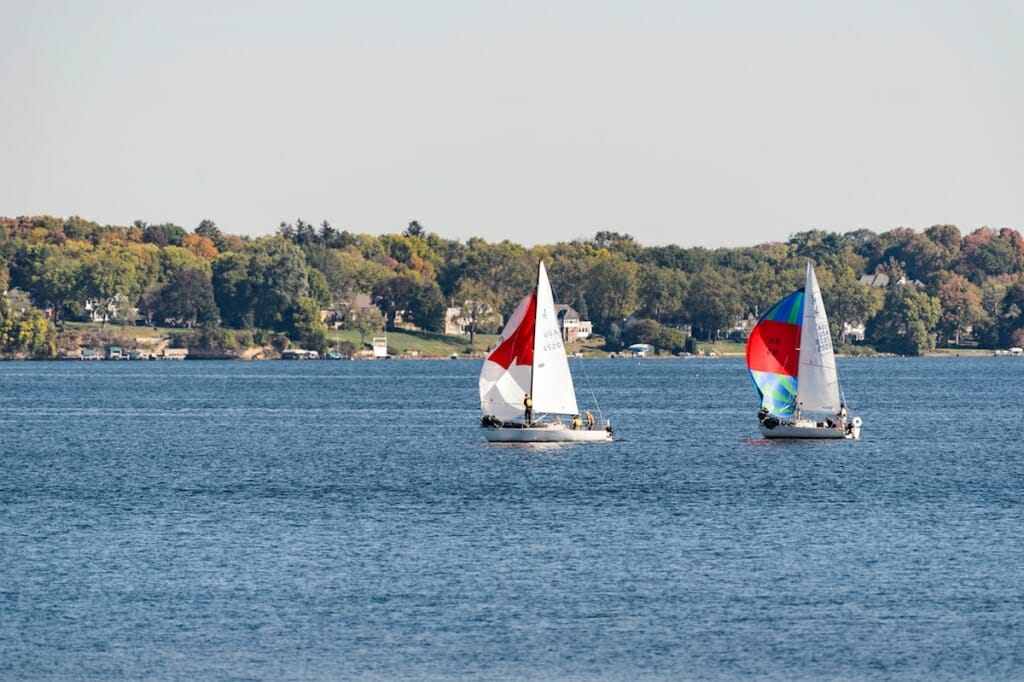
pixel 529 358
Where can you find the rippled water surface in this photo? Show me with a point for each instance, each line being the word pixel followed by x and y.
pixel 325 520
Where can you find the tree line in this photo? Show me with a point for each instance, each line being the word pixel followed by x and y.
pixel 911 290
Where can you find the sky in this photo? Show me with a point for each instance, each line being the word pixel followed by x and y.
pixel 715 124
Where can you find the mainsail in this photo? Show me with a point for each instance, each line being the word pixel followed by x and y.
pixel 790 356
pixel 529 358
pixel 817 383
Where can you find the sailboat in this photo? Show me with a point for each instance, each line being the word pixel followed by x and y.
pixel 526 389
pixel 792 364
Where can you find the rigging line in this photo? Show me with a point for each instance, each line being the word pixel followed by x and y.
pixel 590 387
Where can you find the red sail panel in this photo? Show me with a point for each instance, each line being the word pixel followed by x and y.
pixel 773 347
pixel 519 345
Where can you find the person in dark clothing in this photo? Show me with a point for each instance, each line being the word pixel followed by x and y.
pixel 528 404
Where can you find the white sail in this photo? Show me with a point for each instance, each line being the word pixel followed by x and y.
pixel 529 358
pixel 552 391
pixel 505 376
pixel 817 381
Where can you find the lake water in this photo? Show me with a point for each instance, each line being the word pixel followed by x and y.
pixel 345 520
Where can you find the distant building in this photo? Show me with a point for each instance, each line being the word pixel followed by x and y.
pixel 852 332
pixel 299 354
pixel 741 328
pixel 879 280
pixel 569 323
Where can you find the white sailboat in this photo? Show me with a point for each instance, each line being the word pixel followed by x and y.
pixel 792 364
pixel 529 361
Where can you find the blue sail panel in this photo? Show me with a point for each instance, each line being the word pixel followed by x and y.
pixel 777 391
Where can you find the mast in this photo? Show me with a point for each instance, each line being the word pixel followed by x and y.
pixel 536 318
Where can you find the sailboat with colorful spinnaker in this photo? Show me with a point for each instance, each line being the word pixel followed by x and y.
pixel 792 363
pixel 526 389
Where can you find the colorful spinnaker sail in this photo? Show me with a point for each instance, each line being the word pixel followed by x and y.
pixel 790 355
pixel 773 354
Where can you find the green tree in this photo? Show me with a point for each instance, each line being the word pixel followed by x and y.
pixel 207 228
pixel 848 301
pixel 610 287
pixel 644 330
pixel 188 298
pixel 232 290
pixel 905 323
pixel 54 278
pixel 478 304
pixel 305 326
pixel 506 269
pixel 661 291
pixel 393 295
pixel 24 329
pixel 671 340
pixel 366 321
pixel 175 259
pixel 713 302
pixel 426 306
pixel 167 234
pixel 277 277
pixel 109 281
pixel 318 287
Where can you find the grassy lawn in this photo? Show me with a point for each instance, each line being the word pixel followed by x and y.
pixel 424 344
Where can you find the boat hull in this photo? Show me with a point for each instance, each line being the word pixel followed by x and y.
pixel 545 434
pixel 812 431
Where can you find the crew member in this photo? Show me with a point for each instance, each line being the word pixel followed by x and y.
pixel 590 420
pixel 576 422
pixel 528 404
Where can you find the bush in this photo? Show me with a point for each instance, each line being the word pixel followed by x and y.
pixel 671 340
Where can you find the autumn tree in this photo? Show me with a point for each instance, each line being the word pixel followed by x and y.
pixel 961 307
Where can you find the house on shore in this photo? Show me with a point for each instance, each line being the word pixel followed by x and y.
pixel 573 328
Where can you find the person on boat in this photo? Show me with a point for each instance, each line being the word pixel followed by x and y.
pixel 590 420
pixel 762 414
pixel 577 422
pixel 528 404
pixel 842 412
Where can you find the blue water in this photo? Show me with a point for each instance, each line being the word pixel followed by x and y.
pixel 345 520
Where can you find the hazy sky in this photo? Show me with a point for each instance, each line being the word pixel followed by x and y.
pixel 694 123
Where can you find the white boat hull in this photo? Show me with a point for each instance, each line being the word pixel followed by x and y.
pixel 812 430
pixel 547 433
